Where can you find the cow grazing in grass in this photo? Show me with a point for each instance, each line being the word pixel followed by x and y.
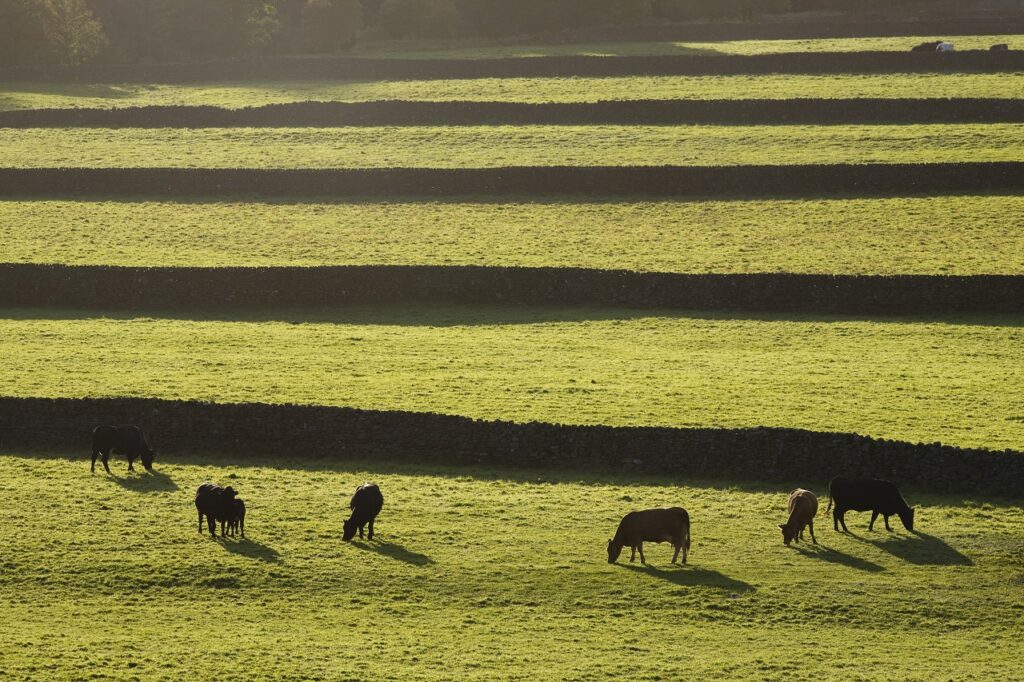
pixel 803 506
pixel 365 504
pixel 236 519
pixel 867 494
pixel 124 440
pixel 651 525
pixel 930 46
pixel 999 47
pixel 217 505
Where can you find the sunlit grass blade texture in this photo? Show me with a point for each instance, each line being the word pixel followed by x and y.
pixel 955 381
pixel 496 146
pixel 582 89
pixel 839 236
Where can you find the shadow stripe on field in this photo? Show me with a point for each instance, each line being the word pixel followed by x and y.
pixel 810 180
pixel 117 287
pixel 633 112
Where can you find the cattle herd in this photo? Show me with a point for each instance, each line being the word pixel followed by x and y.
pixel 672 525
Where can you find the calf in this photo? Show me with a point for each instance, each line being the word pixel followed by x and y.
pixel 217 505
pixel 803 506
pixel 365 504
pixel 125 440
pixel 867 494
pixel 236 518
pixel 651 525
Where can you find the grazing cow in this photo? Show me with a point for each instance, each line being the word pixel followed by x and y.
pixel 867 494
pixel 651 525
pixel 125 440
pixel 236 520
pixel 930 46
pixel 365 504
pixel 999 47
pixel 217 505
pixel 803 506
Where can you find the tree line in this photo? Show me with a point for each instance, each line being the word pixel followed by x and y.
pixel 130 31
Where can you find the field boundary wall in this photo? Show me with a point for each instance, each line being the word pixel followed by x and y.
pixel 539 181
pixel 108 287
pixel 761 454
pixel 639 112
pixel 374 69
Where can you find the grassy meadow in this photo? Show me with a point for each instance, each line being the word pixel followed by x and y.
pixel 233 95
pixel 670 48
pixel 951 380
pixel 498 146
pixel 840 236
pixel 483 573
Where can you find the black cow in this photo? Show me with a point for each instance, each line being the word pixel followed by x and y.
pixel 930 46
pixel 867 494
pixel 217 505
pixel 366 503
pixel 236 521
pixel 999 47
pixel 125 440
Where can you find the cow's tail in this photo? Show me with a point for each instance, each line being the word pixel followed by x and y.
pixel 829 507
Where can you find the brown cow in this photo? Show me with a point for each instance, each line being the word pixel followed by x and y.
pixel 651 525
pixel 803 506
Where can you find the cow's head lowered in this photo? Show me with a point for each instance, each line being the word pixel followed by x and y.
pixel 148 455
pixel 614 550
pixel 907 517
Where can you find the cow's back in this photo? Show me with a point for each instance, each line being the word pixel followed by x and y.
pixel 653 525
pixel 803 501
pixel 864 494
pixel 367 500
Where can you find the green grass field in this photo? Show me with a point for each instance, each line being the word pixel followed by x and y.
pixel 496 146
pixel 256 93
pixel 670 48
pixel 849 236
pixel 486 574
pixel 949 380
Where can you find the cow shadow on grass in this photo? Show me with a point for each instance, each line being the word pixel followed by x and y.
pixel 153 482
pixel 394 551
pixel 920 549
pixel 834 556
pixel 250 549
pixel 687 576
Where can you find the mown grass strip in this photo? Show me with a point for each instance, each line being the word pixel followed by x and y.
pixel 951 380
pixel 501 146
pixel 238 94
pixel 886 236
pixel 470 577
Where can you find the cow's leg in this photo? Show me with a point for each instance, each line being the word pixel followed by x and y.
pixel 211 525
pixel 200 522
pixel 632 557
pixel 874 515
pixel 811 526
pixel 95 454
pixel 842 520
pixel 676 554
pixel 131 462
pixel 835 519
pixel 640 547
pixel 241 526
pixel 105 460
pixel 887 526
pixel 361 531
pixel 370 534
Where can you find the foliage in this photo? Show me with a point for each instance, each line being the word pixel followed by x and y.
pixel 947 379
pixel 840 236
pixel 418 19
pixel 331 25
pixel 485 574
pixel 202 29
pixel 62 31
